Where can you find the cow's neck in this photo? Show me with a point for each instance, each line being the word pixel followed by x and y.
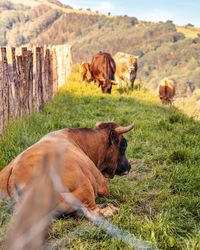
pixel 92 142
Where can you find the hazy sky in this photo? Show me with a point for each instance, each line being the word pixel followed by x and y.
pixel 180 11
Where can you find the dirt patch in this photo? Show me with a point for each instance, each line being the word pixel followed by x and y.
pixel 145 205
pixel 139 170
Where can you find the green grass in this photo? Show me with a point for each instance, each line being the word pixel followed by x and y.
pixel 159 200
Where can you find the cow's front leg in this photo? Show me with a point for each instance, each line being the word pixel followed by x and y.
pixel 105 210
pixel 102 186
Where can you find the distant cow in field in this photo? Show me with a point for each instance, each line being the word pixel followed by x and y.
pixel 126 69
pixel 103 69
pixel 85 72
pixel 166 90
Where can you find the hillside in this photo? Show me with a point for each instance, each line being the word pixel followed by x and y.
pixel 164 49
pixel 158 200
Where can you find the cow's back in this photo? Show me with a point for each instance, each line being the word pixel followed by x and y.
pixel 103 66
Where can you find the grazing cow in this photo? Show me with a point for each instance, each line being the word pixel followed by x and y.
pixel 166 90
pixel 88 157
pixel 126 69
pixel 103 70
pixel 85 72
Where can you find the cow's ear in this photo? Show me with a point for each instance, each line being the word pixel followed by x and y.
pixel 113 138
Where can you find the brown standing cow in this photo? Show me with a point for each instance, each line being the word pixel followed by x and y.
pixel 103 69
pixel 166 90
pixel 88 156
pixel 85 72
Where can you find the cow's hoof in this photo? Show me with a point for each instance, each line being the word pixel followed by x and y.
pixel 107 211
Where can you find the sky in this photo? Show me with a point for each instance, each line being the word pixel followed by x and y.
pixel 181 12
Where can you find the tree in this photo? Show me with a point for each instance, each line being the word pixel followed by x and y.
pixel 189 25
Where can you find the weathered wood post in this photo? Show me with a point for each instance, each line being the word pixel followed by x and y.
pixel 43 74
pixel 16 82
pixel 50 93
pixel 29 75
pixel 48 79
pixel 1 98
pixel 55 71
pixel 38 81
pixel 23 78
pixel 19 72
pixel 5 83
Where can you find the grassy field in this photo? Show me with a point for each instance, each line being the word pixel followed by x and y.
pixel 189 32
pixel 190 105
pixel 159 200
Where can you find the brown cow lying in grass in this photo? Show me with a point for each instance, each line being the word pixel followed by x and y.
pixel 87 155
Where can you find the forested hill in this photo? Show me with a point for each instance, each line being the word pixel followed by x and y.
pixel 163 49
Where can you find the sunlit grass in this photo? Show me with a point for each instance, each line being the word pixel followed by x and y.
pixel 189 32
pixel 159 199
pixel 190 105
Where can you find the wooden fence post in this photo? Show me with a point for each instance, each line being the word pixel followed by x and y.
pixel 43 74
pixel 38 81
pixel 23 86
pixel 29 76
pixel 16 83
pixel 1 98
pixel 19 70
pixel 5 81
pixel 55 71
pixel 50 92
pixel 10 83
pixel 48 80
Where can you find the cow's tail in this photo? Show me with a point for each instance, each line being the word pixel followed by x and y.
pixel 4 182
pixel 113 66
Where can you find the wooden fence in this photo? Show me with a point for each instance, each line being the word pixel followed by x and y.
pixel 29 78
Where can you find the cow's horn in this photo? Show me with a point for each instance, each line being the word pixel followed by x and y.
pixel 113 82
pixel 122 130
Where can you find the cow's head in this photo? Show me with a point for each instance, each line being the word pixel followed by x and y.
pixel 115 161
pixel 106 85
